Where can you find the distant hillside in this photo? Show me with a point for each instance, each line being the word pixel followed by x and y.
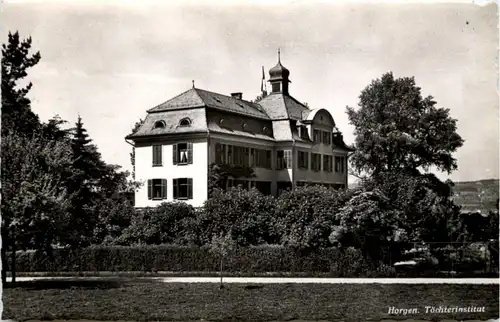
pixel 473 195
pixel 477 195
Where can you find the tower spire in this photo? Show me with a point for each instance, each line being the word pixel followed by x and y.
pixel 279 58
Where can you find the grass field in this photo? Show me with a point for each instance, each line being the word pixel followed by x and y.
pixel 141 300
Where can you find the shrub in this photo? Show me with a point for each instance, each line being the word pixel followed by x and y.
pixel 173 223
pixel 246 214
pixel 244 260
pixel 306 215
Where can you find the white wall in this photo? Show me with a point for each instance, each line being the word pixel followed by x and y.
pixel 197 171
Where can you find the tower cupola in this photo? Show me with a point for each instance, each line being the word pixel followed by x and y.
pixel 279 77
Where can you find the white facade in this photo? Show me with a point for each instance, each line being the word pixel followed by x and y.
pixel 197 171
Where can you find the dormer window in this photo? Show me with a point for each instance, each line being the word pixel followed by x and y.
pixel 185 122
pixel 159 124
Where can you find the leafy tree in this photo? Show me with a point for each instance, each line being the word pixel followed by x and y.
pixel 168 223
pixel 222 245
pixel 305 216
pixel 137 125
pixel 220 173
pixel 397 129
pixel 35 200
pixel 17 115
pixel 247 214
pixel 52 129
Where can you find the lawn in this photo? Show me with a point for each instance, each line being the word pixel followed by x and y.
pixel 139 299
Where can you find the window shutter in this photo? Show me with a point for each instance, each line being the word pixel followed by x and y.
pixel 190 188
pixel 164 188
pixel 158 155
pixel 174 153
pixel 150 189
pixel 176 188
pixel 190 153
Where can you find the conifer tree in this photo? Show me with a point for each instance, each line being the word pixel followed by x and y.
pixel 17 115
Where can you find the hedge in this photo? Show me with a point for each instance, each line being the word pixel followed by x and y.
pixel 261 259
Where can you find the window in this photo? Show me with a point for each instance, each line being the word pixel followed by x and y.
pixel 239 156
pixel 264 187
pixel 327 163
pixel 223 154
pixel 317 136
pixel 262 158
pixel 337 164
pixel 230 154
pixel 218 153
pixel 185 122
pixel 183 153
pixel 303 160
pixel 157 189
pixel 283 159
pixel 251 161
pixel 316 162
pixel 327 138
pixel 183 188
pixel 157 157
pixel 159 125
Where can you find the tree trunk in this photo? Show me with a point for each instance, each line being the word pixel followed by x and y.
pixel 221 261
pixel 4 258
pixel 13 257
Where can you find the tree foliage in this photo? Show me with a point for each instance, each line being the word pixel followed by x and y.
pixel 168 223
pixel 247 214
pixel 398 129
pixel 306 216
pixel 34 198
pixel 17 115
pixel 136 128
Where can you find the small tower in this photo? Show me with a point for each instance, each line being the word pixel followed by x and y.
pixel 279 78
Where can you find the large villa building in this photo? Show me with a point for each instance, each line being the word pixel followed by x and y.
pixel 286 143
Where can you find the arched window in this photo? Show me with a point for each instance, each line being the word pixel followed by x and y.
pixel 244 126
pixel 221 122
pixel 185 122
pixel 159 124
pixel 265 130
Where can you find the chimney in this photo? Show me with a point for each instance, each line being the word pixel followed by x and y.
pixel 237 95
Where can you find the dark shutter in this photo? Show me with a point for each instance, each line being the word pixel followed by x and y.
pixel 176 188
pixel 190 153
pixel 158 155
pixel 150 189
pixel 174 156
pixel 190 188
pixel 164 188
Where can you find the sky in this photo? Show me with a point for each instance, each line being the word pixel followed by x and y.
pixel 110 61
